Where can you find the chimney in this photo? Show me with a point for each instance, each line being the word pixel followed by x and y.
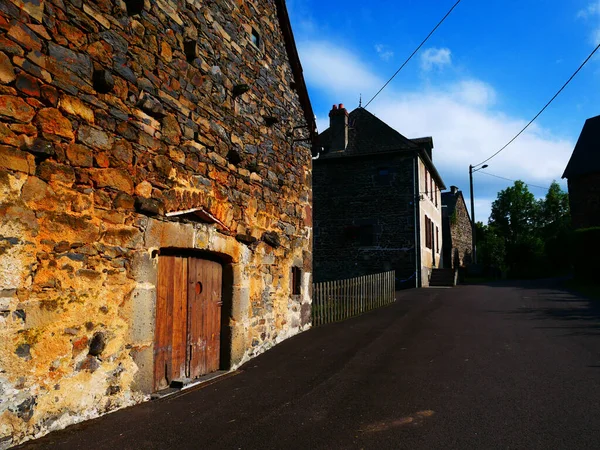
pixel 454 190
pixel 338 125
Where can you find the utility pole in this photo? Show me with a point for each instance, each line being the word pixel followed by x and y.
pixel 473 228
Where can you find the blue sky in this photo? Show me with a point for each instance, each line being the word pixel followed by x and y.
pixel 480 78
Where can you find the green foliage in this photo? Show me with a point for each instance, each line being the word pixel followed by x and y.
pixel 454 218
pixel 491 247
pixel 527 237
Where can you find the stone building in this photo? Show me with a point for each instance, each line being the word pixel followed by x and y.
pixel 457 230
pixel 155 199
pixel 583 176
pixel 377 202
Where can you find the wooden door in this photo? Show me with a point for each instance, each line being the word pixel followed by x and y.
pixel 204 316
pixel 188 319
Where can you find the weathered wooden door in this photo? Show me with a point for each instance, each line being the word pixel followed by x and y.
pixel 188 319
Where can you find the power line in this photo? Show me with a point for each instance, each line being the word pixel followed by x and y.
pixel 413 53
pixel 543 109
pixel 508 179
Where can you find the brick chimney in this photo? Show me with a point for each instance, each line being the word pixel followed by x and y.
pixel 454 190
pixel 338 125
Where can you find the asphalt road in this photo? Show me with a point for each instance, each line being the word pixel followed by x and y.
pixel 474 367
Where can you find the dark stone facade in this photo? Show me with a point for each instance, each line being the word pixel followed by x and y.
pixel 583 174
pixel 584 200
pixel 358 195
pixel 457 230
pixel 113 114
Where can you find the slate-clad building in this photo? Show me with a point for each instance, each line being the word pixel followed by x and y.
pixel 457 230
pixel 377 204
pixel 155 199
pixel 583 176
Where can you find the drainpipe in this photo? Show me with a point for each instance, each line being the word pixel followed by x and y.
pixel 417 209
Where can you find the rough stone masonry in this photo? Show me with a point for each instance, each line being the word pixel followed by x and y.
pixel 112 114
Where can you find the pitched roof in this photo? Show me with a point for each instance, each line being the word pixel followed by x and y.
pixel 292 51
pixel 367 134
pixel 449 200
pixel 586 156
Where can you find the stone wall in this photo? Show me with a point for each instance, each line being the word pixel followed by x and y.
pixel 112 114
pixel 352 197
pixel 461 235
pixel 584 199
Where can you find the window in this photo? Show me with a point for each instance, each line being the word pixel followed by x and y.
pixel 134 7
pixel 426 182
pixel 427 232
pixel 431 188
pixel 296 280
pixel 363 235
pixel 437 239
pixel 255 37
pixel 366 236
pixel 190 48
pixel 385 175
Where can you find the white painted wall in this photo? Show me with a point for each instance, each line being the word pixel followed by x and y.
pixel 430 259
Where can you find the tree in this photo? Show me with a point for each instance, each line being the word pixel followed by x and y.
pixel 491 248
pixel 529 238
pixel 556 228
pixel 514 212
pixel 515 218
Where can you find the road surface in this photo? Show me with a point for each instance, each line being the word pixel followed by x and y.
pixel 475 367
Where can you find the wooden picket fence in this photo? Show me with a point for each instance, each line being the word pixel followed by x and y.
pixel 338 300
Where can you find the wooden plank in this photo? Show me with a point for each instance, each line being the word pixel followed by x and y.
pixel 336 289
pixel 197 340
pixel 320 303
pixel 215 304
pixel 316 310
pixel 161 337
pixel 205 306
pixel 346 299
pixel 315 305
pixel 179 320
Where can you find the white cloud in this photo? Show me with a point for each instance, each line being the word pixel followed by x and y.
pixel 462 117
pixel 474 92
pixel 335 69
pixel 384 53
pixel 589 11
pixel 435 57
pixel 592 13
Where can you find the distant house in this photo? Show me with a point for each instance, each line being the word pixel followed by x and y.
pixel 377 203
pixel 457 230
pixel 583 175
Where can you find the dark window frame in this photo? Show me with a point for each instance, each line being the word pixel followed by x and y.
pixel 296 280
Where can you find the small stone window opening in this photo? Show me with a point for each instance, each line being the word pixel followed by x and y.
pixel 234 157
pixel 296 280
pixel 134 7
pixel 190 48
pixel 255 37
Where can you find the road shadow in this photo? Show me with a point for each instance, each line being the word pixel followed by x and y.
pixel 551 300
